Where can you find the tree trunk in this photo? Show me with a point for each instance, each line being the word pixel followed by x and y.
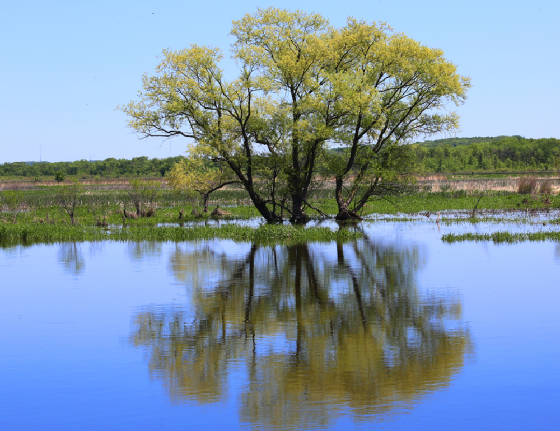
pixel 205 197
pixel 298 216
pixel 260 205
pixel 344 213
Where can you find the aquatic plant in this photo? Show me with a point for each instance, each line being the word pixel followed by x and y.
pixel 13 234
pixel 503 237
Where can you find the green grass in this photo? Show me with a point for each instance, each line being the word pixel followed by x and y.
pixel 433 202
pixel 414 203
pixel 27 234
pixel 35 205
pixel 38 218
pixel 502 237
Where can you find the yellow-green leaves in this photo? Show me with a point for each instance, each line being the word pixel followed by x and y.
pixel 195 174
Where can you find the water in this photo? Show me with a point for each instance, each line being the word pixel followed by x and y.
pixel 396 330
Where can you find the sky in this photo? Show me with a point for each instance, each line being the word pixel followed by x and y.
pixel 66 66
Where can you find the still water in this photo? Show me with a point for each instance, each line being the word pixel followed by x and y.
pixel 395 330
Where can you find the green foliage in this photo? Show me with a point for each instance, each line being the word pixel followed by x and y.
pixel 502 153
pixel 108 168
pixel 196 174
pixel 59 177
pixel 487 154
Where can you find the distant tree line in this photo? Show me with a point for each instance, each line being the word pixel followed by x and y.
pixel 501 153
pixel 109 168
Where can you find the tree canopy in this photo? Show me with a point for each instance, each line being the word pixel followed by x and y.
pixel 303 87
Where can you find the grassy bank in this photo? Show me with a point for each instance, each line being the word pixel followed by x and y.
pixel 27 234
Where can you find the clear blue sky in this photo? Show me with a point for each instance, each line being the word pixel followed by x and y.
pixel 67 65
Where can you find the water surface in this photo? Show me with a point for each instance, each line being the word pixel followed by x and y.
pixel 395 330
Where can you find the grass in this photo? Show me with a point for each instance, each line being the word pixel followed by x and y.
pixel 38 218
pixel 36 204
pixel 27 234
pixel 502 237
pixel 459 200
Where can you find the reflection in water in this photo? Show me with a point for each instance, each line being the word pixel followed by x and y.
pixel 140 249
pixel 71 257
pixel 316 329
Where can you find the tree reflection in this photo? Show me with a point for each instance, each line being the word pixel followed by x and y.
pixel 139 250
pixel 318 330
pixel 70 255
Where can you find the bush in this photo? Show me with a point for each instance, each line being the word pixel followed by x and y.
pixel 545 187
pixel 59 177
pixel 526 185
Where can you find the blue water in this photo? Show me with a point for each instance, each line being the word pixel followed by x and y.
pixel 397 331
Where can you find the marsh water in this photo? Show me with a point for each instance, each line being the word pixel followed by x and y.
pixel 394 330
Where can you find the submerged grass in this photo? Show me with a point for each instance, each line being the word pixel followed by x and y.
pixel 502 237
pixel 27 234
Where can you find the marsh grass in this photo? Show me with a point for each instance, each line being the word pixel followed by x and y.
pixel 502 237
pixel 527 185
pixel 27 234
pixel 456 200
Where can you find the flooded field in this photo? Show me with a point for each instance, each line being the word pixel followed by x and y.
pixel 396 329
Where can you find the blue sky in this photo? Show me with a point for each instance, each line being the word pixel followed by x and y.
pixel 67 65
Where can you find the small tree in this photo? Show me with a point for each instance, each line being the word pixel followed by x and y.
pixel 68 198
pixel 200 175
pixel 142 192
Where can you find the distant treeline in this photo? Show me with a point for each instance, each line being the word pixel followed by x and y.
pixel 109 168
pixel 502 153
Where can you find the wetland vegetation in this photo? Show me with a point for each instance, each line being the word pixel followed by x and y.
pixel 146 210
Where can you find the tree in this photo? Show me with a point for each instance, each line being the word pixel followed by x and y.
pixel 68 198
pixel 59 177
pixel 201 176
pixel 303 87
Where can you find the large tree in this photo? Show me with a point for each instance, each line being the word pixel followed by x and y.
pixel 303 88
